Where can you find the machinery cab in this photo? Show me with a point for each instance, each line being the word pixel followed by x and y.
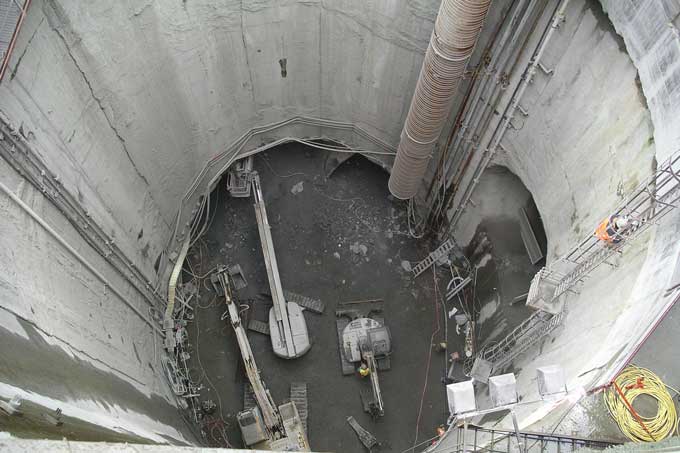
pixel 379 340
pixel 368 341
pixel 255 435
pixel 251 424
pixel 364 335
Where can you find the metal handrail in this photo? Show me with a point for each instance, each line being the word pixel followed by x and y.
pixel 490 440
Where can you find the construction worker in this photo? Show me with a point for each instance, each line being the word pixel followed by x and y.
pixel 441 430
pixel 440 347
pixel 612 229
pixel 364 370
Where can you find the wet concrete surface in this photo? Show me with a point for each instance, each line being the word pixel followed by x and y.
pixel 497 252
pixel 503 273
pixel 34 365
pixel 658 354
pixel 315 225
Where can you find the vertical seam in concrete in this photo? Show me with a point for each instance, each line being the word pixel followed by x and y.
pixel 245 53
pixel 99 104
pixel 28 44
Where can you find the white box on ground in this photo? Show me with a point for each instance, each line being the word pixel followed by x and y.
pixel 461 397
pixel 550 380
pixel 503 389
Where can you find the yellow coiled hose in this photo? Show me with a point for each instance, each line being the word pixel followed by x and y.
pixel 633 382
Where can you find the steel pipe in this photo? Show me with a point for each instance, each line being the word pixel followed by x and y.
pixel 494 143
pixel 52 232
pixel 453 39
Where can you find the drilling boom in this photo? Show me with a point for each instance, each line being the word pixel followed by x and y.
pixel 264 400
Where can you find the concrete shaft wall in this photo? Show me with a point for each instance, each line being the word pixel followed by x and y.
pixel 125 102
pixel 69 342
pixel 164 87
pixel 595 130
pixel 587 138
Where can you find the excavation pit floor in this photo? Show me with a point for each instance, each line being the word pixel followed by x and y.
pixel 337 239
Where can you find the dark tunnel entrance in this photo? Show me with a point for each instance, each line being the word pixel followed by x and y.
pixel 504 241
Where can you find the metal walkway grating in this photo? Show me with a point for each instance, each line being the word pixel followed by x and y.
pixel 313 305
pixel 298 395
pixel 10 15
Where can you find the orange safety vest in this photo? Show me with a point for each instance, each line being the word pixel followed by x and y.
pixel 606 232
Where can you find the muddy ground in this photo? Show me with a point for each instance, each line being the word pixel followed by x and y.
pixel 336 239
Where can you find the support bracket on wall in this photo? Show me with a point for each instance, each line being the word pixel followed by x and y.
pixel 547 71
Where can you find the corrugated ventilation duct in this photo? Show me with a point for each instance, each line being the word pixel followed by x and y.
pixel 456 29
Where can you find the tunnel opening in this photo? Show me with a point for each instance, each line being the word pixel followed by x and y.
pixel 505 244
pixel 354 162
pixel 338 239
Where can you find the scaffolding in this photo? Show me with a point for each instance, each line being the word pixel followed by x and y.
pixel 647 205
pixel 650 202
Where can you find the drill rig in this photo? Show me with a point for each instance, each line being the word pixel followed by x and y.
pixel 366 340
pixel 287 325
pixel 263 427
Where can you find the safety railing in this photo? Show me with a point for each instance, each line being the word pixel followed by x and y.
pixel 647 204
pixel 478 439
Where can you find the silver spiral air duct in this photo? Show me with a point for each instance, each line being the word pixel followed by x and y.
pixel 453 39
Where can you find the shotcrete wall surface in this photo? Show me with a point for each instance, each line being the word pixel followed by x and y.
pixel 125 103
pixel 68 342
pixel 164 87
pixel 594 131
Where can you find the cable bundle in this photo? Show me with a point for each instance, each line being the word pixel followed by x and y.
pixel 619 398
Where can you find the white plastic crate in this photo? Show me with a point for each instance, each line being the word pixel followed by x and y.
pixel 550 380
pixel 503 389
pixel 461 397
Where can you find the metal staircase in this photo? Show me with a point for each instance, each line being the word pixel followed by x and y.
pixel 652 200
pixel 313 305
pixel 364 436
pixel 439 253
pixel 258 326
pixel 522 337
pixel 249 400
